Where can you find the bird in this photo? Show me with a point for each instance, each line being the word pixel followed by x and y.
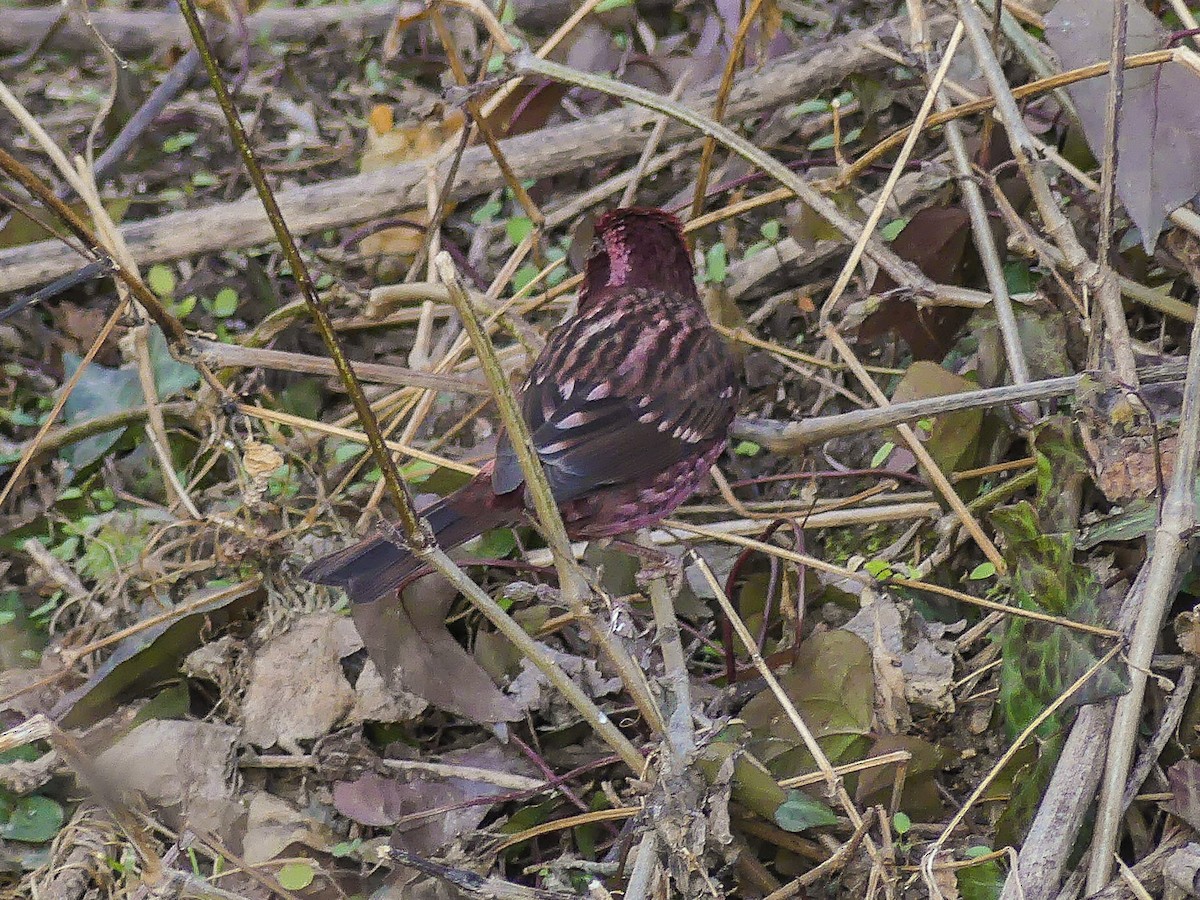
pixel 629 404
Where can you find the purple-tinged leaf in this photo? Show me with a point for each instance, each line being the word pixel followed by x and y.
pixel 1158 146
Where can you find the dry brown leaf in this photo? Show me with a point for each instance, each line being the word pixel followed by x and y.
pixel 273 825
pixel 389 144
pixel 183 769
pixel 297 690
pixel 925 657
pixel 414 653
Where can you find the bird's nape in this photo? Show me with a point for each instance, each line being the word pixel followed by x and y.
pixel 637 248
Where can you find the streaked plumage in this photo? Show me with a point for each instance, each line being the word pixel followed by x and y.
pixel 629 404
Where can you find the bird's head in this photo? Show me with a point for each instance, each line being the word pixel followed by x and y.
pixel 638 247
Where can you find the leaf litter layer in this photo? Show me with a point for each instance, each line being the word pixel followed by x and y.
pixel 226 727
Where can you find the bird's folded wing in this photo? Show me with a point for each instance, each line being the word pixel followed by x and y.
pixel 587 444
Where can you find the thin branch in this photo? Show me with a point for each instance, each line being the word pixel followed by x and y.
pixel 1173 539
pixel 914 444
pixel 903 272
pixel 718 111
pixel 885 194
pixel 1057 225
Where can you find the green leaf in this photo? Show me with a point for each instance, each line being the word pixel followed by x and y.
pixel 892 229
pixel 524 275
pixel 882 454
pixel 901 823
pixel 800 812
pixel 747 448
pixel 347 451
pixel 716 264
pixel 181 141
pixel 810 107
pixel 606 5
pixel 489 210
pixel 982 882
pixel 295 876
pixel 518 228
pixel 770 230
pixel 35 819
pixel 982 571
pixel 345 848
pixel 878 568
pixel 161 280
pixel 225 303
pixel 496 544
pixel 183 308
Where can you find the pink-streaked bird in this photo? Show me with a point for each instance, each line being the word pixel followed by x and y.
pixel 629 404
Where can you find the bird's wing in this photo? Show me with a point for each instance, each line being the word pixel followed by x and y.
pixel 593 432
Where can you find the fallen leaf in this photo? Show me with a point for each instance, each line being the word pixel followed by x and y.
pixel 388 144
pixel 273 825
pixel 414 653
pixel 1184 778
pixel 936 239
pixel 296 690
pixel 1158 144
pixel 183 769
pixel 833 689
pixel 146 659
pixel 381 801
pixel 952 439
pixel 924 655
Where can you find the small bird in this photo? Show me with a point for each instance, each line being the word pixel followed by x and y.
pixel 629 404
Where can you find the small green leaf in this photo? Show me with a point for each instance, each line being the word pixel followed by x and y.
pixel 35 819
pixel 489 210
pixel 346 452
pixel 496 544
pixel 878 568
pixel 606 5
pixel 177 142
pixel 296 876
pixel 882 454
pixel 892 229
pixel 901 823
pixel 747 448
pixel 982 571
pixel 523 276
pixel 225 303
pixel 183 308
pixel 800 812
pixel 770 230
pixel 716 264
pixel 204 179
pixel 161 280
pixel 518 228
pixel 417 471
pixel 811 107
pixel 345 848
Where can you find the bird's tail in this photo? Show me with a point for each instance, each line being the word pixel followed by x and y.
pixel 378 566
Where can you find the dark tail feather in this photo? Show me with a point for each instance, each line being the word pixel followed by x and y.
pixel 376 567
